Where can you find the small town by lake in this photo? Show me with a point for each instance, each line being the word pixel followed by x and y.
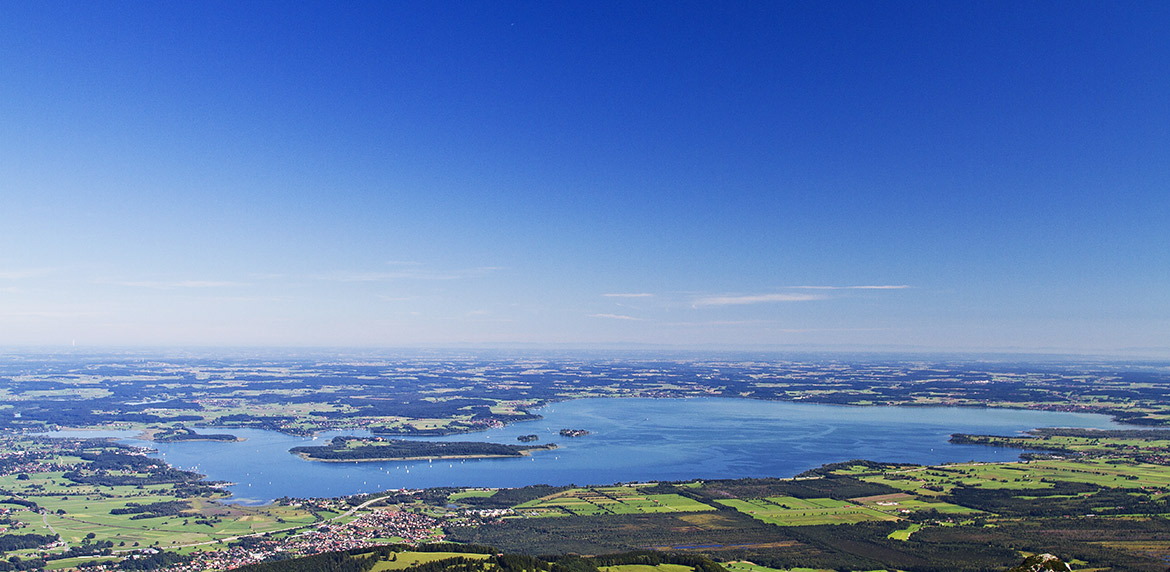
pixel 629 440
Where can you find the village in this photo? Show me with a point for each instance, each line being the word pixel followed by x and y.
pixel 375 527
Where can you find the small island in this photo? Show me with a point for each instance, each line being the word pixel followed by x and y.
pixel 528 438
pixel 574 432
pixel 353 449
pixel 180 433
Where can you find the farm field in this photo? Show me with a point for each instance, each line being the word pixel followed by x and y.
pixel 471 493
pixel 900 504
pixel 1040 474
pixel 222 521
pixel 406 559
pixel 904 533
pixel 71 489
pixel 743 566
pixel 597 501
pixel 791 511
pixel 646 568
pixel 967 515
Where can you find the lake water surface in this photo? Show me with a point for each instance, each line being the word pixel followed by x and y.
pixel 630 440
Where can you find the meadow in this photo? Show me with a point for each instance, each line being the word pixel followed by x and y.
pixel 163 514
pixel 791 511
pixel 406 559
pixel 595 501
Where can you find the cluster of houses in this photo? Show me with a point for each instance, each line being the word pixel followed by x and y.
pixel 369 529
pixel 373 527
pixel 15 462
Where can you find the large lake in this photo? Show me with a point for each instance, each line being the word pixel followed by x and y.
pixel 632 440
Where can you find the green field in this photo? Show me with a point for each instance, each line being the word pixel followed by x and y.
pixel 904 534
pixel 408 559
pixel 163 531
pixel 933 481
pixel 470 493
pixel 646 568
pixel 73 563
pixel 76 510
pixel 596 501
pixel 741 566
pixel 744 566
pixel 790 511
pixel 901 504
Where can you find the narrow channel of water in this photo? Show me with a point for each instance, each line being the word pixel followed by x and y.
pixel 630 440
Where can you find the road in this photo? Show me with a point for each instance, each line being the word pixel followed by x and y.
pixel 45 519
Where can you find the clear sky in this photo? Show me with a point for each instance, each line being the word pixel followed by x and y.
pixel 858 175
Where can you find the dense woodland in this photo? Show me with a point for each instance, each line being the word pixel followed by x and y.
pixel 20 541
pixel 364 559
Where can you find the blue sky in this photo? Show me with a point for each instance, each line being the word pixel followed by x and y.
pixel 977 176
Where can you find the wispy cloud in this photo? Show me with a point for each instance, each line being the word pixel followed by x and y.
pixel 754 299
pixel 765 325
pixel 177 284
pixel 406 274
pixel 615 317
pixel 629 295
pixel 23 273
pixel 386 298
pixel 383 276
pixel 867 287
pixel 778 297
pixel 50 314
pixel 709 323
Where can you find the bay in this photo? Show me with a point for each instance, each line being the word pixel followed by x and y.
pixel 630 440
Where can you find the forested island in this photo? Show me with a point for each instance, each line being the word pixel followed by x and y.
pixel 342 449
pixel 184 434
